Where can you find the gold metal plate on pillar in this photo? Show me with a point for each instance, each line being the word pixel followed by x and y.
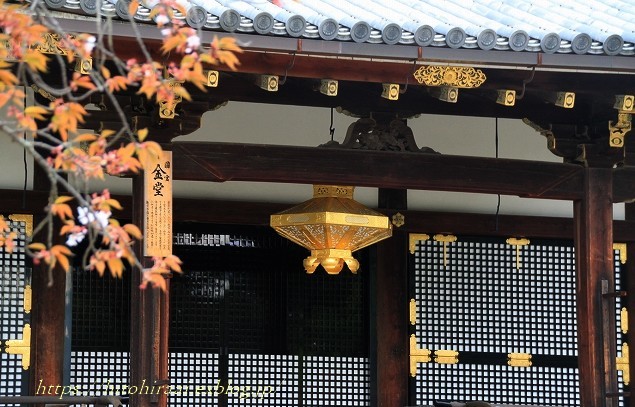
pixel 445 239
pixel 624 320
pixel 519 359
pixel 622 364
pixel 414 238
pixel 22 346
pixel 27 299
pixel 413 311
pixel 157 207
pixel 518 243
pixel 446 357
pixel 417 356
pixel 456 76
pixel 621 248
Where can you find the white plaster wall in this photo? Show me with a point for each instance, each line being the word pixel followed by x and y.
pixel 12 164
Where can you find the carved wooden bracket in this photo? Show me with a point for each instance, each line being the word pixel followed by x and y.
pixel 379 135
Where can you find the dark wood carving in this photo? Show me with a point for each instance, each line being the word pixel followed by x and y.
pixel 371 134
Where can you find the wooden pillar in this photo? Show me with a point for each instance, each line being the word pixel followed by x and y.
pixel 47 316
pixel 149 325
pixel 391 310
pixel 593 216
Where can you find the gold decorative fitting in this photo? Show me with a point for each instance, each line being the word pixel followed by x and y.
pixel 506 97
pixel 621 248
pixel 398 220
pixel 269 83
pixel 618 130
pixel 413 311
pixel 622 364
pixel 27 299
pixel 518 243
pixel 22 346
pixel 417 356
pixel 51 45
pixel 212 78
pixel 445 239
pixel 332 225
pixel 390 91
pixel 565 99
pixel 448 94
pixel 28 223
pixel 457 76
pixel 328 87
pixel 446 357
pixel 624 320
pixel 414 238
pixel 167 107
pixel 519 359
pixel 84 65
pixel 625 103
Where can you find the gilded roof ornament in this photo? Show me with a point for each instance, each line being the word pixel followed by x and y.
pixel 457 76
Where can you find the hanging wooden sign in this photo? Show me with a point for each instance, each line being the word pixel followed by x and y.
pixel 157 208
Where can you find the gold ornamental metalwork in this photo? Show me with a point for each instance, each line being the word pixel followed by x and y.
pixel 445 239
pixel 167 107
pixel 398 219
pixel 27 220
pixel 624 320
pixel 621 249
pixel 619 129
pixel 417 356
pixel 28 299
pixel 457 76
pixel 22 346
pixel 518 243
pixel 414 238
pixel 625 103
pixel 519 359
pixel 332 225
pixel 413 311
pixel 446 357
pixel 622 364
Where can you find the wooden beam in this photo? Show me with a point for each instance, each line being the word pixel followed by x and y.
pixel 624 184
pixel 219 162
pixel 391 311
pixel 593 216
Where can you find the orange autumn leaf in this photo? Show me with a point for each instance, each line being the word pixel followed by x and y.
pixel 81 81
pixel 61 254
pixel 36 60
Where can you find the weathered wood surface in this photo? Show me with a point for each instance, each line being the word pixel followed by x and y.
pixel 219 162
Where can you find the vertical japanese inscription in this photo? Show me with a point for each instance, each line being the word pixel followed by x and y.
pixel 157 231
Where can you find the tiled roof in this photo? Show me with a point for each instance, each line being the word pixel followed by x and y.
pixel 566 26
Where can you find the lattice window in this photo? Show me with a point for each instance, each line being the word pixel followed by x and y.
pixel 263 380
pixel 481 305
pixel 194 379
pixel 100 361
pixel 336 381
pixel 100 373
pixel 14 275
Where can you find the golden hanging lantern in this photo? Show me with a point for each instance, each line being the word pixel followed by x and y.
pixel 332 225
